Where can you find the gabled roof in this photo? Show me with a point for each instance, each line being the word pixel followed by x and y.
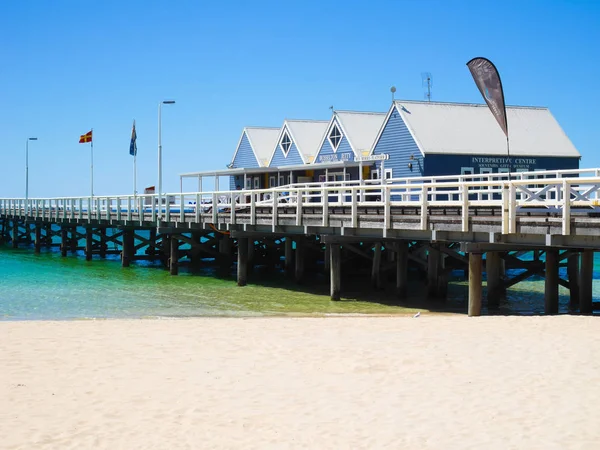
pixel 360 128
pixel 262 140
pixel 306 135
pixel 459 128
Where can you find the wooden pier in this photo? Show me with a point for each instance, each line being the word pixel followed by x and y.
pixel 480 227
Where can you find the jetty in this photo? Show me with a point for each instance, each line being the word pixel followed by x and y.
pixel 478 223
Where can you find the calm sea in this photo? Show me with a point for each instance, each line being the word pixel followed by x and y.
pixel 49 287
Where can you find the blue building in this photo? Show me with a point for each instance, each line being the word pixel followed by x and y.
pixel 433 139
pixel 414 139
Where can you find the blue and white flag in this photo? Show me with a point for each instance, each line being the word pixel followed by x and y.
pixel 133 144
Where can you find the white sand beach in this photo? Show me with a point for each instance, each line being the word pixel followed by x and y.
pixel 434 382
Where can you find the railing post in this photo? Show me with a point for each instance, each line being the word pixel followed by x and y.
pixel 253 209
pixel 232 202
pixel 299 207
pixel 181 209
pixel 386 210
pixel 198 206
pixel 566 209
pixel 505 210
pixel 167 209
pixel 354 208
pixel 325 197
pixel 424 190
pixel 274 213
pixel 215 208
pixel 512 209
pixel 464 190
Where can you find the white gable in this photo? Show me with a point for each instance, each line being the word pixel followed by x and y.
pixel 360 128
pixel 262 141
pixel 307 135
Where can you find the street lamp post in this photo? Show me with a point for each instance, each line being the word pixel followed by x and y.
pixel 27 174
pixel 166 102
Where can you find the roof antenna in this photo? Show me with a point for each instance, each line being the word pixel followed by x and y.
pixel 393 91
pixel 427 81
pixel 331 108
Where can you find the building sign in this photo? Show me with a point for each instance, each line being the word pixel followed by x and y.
pixel 334 157
pixel 486 162
pixel 382 157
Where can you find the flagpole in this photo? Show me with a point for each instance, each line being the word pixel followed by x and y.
pixel 135 174
pixel 92 162
pixel 508 152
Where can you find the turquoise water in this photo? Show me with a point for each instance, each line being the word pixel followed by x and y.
pixel 47 286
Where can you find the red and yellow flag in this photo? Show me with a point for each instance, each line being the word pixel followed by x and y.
pixel 87 137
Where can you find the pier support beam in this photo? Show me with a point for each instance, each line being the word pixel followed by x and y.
pixel 151 246
pixel 335 270
pixel 586 278
pixel 402 269
pixel 573 276
pixel 327 258
pixel 174 256
pixel 242 265
pixel 251 251
pixel 289 255
pixel 89 243
pixel 128 248
pixel 299 266
pixel 38 238
pixel 475 280
pixel 433 271
pixel 15 233
pixel 64 241
pixel 376 268
pixel 551 284
pixel 102 242
pixel 494 281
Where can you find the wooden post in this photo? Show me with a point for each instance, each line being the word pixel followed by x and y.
pixel 327 257
pixel 38 238
pixel 335 270
pixel 402 269
pixel 73 242
pixel 15 234
pixel 551 285
pixel 102 242
pixel 174 256
pixel 289 255
pixel 64 242
pixel 493 274
pixel 89 243
pixel 475 289
pixel 300 250
pixel 586 279
pixel 242 265
pixel 433 271
pixel 573 276
pixel 376 268
pixel 151 247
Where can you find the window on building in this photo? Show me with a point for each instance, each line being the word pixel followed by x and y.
pixel 285 143
pixel 375 174
pixel 271 181
pixel 388 174
pixel 289 179
pixel 256 182
pixel 466 171
pixel 281 180
pixel 248 183
pixel 335 137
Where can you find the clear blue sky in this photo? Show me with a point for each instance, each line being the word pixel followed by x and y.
pixel 68 66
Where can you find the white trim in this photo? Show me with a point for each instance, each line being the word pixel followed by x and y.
pixel 386 121
pixel 464 170
pixel 272 181
pixel 340 135
pixel 410 130
pixel 256 182
pixel 237 149
pixel 387 172
pixel 289 141
pixel 248 183
pixel 338 122
pixel 486 170
pixel 284 128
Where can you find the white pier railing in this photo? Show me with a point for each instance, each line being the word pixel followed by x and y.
pixel 560 196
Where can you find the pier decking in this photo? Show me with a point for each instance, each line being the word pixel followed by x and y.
pixel 460 217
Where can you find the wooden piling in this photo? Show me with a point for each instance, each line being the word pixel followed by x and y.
pixel 475 281
pixel 174 256
pixel 152 244
pixel 15 233
pixel 64 242
pixel 551 282
pixel 242 265
pixel 494 280
pixel 586 279
pixel 402 269
pixel 335 270
pixel 89 243
pixel 127 248
pixel 73 240
pixel 573 276
pixel 102 242
pixel 251 254
pixel 376 268
pixel 433 271
pixel 327 258
pixel 300 251
pixel 38 238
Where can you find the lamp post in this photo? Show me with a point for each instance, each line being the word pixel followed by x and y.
pixel 166 102
pixel 27 173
